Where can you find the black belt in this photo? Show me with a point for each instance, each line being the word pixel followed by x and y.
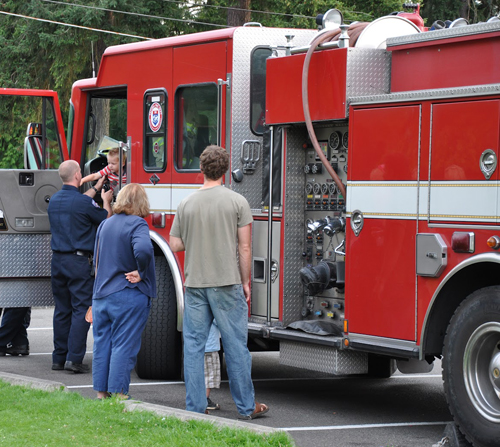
pixel 87 254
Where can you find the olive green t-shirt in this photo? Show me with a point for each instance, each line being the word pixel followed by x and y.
pixel 207 221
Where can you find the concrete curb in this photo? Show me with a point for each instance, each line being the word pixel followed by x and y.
pixel 30 382
pixel 134 405
pixel 184 415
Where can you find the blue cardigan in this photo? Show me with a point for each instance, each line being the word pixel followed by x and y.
pixel 124 246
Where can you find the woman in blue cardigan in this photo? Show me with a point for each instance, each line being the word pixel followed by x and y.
pixel 124 286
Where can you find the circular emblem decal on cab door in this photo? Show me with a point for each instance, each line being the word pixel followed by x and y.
pixel 155 117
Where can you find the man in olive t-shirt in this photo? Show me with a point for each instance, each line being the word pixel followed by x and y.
pixel 212 225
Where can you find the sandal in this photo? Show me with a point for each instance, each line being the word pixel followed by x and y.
pixel 260 410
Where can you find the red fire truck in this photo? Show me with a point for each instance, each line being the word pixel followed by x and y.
pixel 368 155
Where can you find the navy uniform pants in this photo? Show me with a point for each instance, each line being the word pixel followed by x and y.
pixel 72 289
pixel 15 321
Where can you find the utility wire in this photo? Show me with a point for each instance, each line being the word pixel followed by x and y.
pixel 135 13
pixel 74 26
pixel 193 5
pixel 234 8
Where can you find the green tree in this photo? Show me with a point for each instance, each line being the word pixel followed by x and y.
pixel 472 10
pixel 38 54
pixel 50 55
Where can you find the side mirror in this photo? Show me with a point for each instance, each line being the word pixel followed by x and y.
pixel 33 146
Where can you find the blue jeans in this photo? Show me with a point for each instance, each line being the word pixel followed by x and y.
pixel 118 322
pixel 229 308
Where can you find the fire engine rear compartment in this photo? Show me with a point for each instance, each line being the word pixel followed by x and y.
pixel 399 145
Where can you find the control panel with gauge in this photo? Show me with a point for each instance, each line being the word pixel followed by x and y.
pixel 323 271
pixel 321 191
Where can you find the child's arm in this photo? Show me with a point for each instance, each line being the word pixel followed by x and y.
pixel 91 178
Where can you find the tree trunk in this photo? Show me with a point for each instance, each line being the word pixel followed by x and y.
pixel 464 9
pixel 239 15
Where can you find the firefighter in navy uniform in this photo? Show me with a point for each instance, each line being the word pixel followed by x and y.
pixel 74 218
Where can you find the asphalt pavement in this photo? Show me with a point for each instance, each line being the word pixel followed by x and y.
pixel 315 409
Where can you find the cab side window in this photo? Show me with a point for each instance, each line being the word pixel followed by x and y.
pixel 196 124
pixel 106 128
pixel 258 89
pixel 155 130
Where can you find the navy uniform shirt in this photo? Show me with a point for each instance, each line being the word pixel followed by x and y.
pixel 74 218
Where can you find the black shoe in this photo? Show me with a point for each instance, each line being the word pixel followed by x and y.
pixel 18 350
pixel 211 405
pixel 77 368
pixel 57 366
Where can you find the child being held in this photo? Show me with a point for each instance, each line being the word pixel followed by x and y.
pixel 111 170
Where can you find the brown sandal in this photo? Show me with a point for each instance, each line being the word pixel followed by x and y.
pixel 260 410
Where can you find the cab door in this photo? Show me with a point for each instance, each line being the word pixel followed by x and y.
pixel 25 252
pixel 199 111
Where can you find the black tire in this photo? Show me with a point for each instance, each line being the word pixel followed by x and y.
pixel 160 354
pixel 380 366
pixel 471 367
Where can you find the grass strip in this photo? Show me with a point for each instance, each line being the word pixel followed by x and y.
pixel 37 418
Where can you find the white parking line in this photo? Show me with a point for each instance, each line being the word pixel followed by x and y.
pixel 131 384
pixel 350 427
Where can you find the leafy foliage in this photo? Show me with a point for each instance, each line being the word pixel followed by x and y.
pixel 473 10
pixel 50 55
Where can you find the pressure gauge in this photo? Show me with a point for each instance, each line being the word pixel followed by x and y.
pixel 345 139
pixel 335 140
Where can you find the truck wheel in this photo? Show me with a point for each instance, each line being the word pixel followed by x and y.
pixel 471 367
pixel 380 366
pixel 160 354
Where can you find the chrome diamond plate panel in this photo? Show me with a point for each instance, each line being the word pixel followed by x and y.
pixel 434 94
pixel 294 200
pixel 25 255
pixel 323 358
pixel 25 270
pixel 25 292
pixel 245 40
pixel 368 72
pixel 461 31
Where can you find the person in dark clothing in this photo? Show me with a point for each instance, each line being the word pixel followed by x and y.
pixel 13 334
pixel 124 285
pixel 74 218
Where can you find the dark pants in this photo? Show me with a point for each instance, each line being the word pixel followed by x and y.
pixel 72 289
pixel 13 332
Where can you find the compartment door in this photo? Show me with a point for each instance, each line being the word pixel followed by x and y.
pixel 464 144
pixel 383 185
pixel 260 270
